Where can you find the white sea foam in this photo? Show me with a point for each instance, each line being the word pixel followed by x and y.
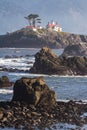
pixel 27 74
pixel 6 91
pixel 68 76
pixel 17 63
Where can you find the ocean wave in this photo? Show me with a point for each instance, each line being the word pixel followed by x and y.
pixel 17 63
pixel 6 91
pixel 55 76
pixel 68 76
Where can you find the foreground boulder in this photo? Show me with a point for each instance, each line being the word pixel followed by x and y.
pixel 46 62
pixel 33 91
pixel 76 50
pixel 5 82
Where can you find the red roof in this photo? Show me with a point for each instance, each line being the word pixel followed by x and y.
pixel 30 27
pixel 52 25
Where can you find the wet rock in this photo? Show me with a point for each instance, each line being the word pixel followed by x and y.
pixel 32 107
pixel 4 82
pixel 4 79
pixel 1 114
pixel 13 70
pixel 29 55
pixel 4 120
pixel 76 50
pixel 46 62
pixel 7 57
pixel 35 114
pixel 14 56
pixel 33 91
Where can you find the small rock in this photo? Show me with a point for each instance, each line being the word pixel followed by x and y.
pixel 35 114
pixel 1 114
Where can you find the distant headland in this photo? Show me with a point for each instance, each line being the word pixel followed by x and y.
pixel 36 36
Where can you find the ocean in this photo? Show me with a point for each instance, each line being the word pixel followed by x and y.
pixel 66 87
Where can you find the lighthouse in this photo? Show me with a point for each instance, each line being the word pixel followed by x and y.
pixel 53 26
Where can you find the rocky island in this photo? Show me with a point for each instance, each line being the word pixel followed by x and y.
pixel 47 62
pixel 34 35
pixel 34 106
pixel 26 38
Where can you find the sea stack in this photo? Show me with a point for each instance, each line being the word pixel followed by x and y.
pixel 47 62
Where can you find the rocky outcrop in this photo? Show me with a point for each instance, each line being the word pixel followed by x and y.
pixel 76 50
pixel 25 38
pixel 5 82
pixel 46 62
pixel 34 106
pixel 33 91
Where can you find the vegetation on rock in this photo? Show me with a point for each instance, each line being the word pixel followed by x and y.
pixel 25 38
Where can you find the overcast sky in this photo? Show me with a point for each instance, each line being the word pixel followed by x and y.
pixel 71 15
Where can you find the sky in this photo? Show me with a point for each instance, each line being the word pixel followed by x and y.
pixel 71 15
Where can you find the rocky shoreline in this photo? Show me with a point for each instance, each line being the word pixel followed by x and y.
pixel 34 105
pixel 21 115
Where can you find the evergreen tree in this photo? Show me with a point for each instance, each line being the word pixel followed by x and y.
pixel 32 18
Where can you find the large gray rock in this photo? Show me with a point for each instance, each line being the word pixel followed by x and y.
pixel 33 91
pixel 46 62
pixel 76 50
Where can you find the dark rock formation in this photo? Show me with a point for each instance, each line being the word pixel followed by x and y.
pixel 4 82
pixel 25 38
pixel 46 62
pixel 33 91
pixel 76 50
pixel 13 70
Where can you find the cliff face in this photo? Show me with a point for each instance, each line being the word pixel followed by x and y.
pixel 24 38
